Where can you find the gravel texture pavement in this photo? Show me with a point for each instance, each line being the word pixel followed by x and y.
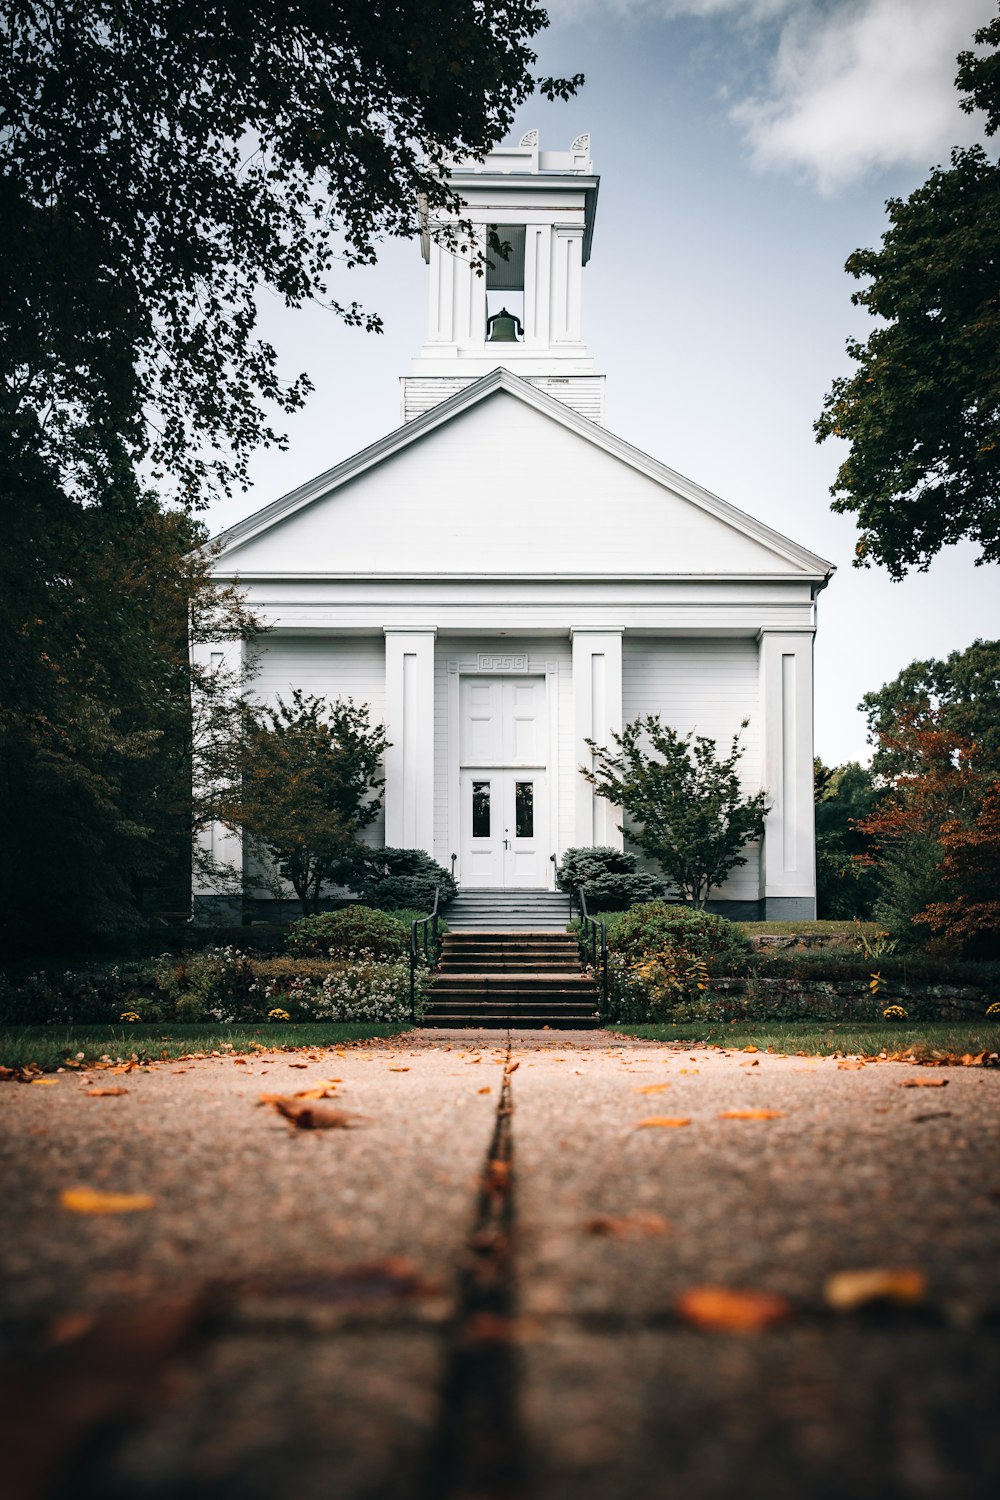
pixel 500 1275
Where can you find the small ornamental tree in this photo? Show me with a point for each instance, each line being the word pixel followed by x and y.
pixel 688 806
pixel 308 780
pixel 969 917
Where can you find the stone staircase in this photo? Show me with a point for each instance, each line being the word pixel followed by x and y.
pixel 508 911
pixel 517 979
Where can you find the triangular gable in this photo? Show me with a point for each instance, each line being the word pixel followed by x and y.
pixel 503 479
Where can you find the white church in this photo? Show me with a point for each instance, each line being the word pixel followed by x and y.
pixel 501 578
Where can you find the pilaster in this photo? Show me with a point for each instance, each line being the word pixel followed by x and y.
pixel 788 861
pixel 409 761
pixel 217 883
pixel 597 714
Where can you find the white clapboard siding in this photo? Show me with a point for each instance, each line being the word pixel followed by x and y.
pixel 328 667
pixel 707 686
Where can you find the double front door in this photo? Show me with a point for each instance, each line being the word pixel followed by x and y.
pixel 505 839
pixel 503 816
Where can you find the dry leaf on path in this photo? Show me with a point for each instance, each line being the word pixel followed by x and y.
pixel 405 1070
pixel 105 1093
pixel 627 1226
pixel 511 1068
pixel 45 1082
pixel 846 1290
pixel 923 1083
pixel 752 1114
pixel 650 1088
pixel 663 1122
pixel 485 1089
pixel 300 1065
pixel 322 1092
pixel 687 1070
pixel 724 1309
pixel 85 1200
pixel 305 1115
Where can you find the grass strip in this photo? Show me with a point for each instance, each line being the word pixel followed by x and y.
pixel 49 1047
pixel 931 1041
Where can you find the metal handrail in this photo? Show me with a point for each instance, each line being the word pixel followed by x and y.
pixel 430 933
pixel 595 933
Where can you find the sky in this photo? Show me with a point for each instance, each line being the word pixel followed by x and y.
pixel 745 149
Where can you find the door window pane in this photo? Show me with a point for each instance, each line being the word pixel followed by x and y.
pixel 524 809
pixel 480 809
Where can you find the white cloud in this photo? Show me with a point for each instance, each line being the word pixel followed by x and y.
pixel 864 85
pixel 849 85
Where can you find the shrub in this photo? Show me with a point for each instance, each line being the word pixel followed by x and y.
pixel 395 879
pixel 656 925
pixel 353 930
pixel 609 878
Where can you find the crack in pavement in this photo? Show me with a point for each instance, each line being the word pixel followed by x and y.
pixel 479 1450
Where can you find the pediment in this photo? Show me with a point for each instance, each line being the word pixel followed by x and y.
pixel 502 479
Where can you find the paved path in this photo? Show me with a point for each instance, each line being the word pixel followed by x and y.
pixel 474 1293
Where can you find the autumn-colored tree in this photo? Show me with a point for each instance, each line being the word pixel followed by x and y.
pixel 305 780
pixel 970 873
pixel 941 789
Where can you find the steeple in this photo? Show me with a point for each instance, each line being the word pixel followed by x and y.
pixel 525 312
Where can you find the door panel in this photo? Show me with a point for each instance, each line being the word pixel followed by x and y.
pixel 503 829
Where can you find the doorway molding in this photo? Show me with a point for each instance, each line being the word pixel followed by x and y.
pixel 503 666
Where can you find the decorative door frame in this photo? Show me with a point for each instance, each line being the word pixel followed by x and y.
pixel 505 664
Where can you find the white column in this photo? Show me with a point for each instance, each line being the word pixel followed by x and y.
pixel 597 713
pixel 217 883
pixel 567 286
pixel 409 762
pixel 441 305
pixel 788 883
pixel 537 285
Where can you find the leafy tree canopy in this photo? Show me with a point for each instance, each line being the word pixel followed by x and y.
pixel 846 882
pixel 922 410
pixel 162 161
pixel 688 808
pixel 964 689
pixel 305 780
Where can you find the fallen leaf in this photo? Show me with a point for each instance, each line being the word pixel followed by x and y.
pixel 937 1114
pixel 650 1088
pixel 511 1068
pixel 751 1049
pixel 406 1070
pixel 752 1114
pixel 85 1200
pixel 663 1122
pixel 484 1090
pixel 105 1093
pixel 687 1070
pixel 627 1226
pixel 306 1115
pixel 846 1290
pixel 322 1092
pixel 299 1065
pixel 923 1083
pixel 45 1082
pixel 725 1309
pixel 849 1065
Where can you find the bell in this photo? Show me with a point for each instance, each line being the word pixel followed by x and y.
pixel 504 328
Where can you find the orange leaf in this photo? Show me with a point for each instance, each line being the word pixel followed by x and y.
pixel 322 1092
pixel 405 1070
pixel 629 1225
pixel 510 1068
pixel 723 1309
pixel 752 1114
pixel 45 1082
pixel 104 1093
pixel 650 1088
pixel 305 1115
pixel 485 1090
pixel 923 1083
pixel 84 1200
pixel 846 1290
pixel 663 1122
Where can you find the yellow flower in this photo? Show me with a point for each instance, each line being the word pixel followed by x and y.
pixel 278 1015
pixel 130 1015
pixel 895 1013
pixel 994 1009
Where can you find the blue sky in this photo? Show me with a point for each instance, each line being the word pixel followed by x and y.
pixel 745 148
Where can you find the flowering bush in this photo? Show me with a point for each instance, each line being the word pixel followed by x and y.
pixel 350 932
pixel 895 1013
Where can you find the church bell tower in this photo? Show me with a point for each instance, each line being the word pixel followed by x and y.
pixel 524 311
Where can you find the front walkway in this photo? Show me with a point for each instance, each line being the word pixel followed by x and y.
pixel 483 1288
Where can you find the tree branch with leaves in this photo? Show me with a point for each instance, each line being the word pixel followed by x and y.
pixel 687 804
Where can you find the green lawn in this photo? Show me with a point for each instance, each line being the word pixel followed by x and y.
pixel 825 927
pixel 50 1046
pixel 933 1039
